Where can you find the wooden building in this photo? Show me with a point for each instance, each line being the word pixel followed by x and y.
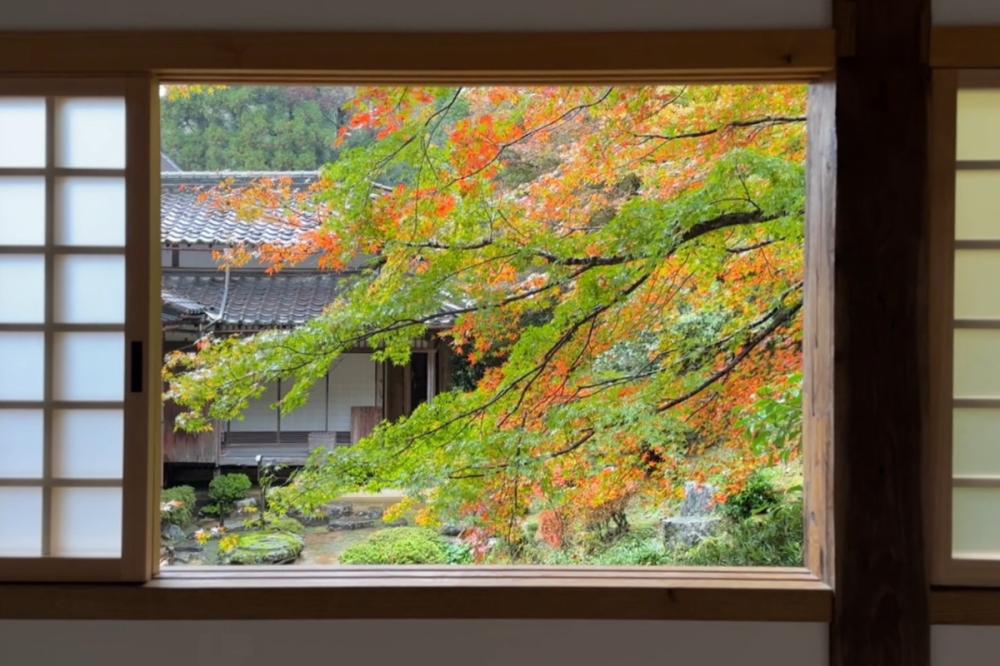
pixel 200 298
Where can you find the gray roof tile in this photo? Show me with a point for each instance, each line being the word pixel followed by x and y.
pixel 184 220
pixel 255 300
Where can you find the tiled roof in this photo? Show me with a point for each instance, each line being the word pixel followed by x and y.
pixel 184 220
pixel 167 164
pixel 254 300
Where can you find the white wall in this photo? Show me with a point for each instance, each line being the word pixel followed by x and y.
pixel 352 384
pixel 965 646
pixel 310 417
pixel 966 12
pixel 411 643
pixel 259 416
pixel 414 15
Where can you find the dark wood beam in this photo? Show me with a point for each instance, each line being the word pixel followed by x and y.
pixel 446 57
pixel 883 79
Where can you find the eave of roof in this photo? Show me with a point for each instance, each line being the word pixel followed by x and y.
pixel 254 300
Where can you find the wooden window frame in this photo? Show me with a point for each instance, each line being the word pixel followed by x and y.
pixel 962 591
pixel 793 594
pixel 945 568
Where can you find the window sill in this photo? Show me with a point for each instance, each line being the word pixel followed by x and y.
pixel 208 593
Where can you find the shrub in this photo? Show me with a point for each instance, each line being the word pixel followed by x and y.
pixel 458 553
pixel 177 505
pixel 399 545
pixel 637 548
pixel 760 495
pixel 270 522
pixel 772 539
pixel 227 490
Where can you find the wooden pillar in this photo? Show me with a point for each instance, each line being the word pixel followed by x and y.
pixel 443 358
pixel 880 613
pixel 395 380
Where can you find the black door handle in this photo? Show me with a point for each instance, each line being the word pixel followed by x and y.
pixel 135 370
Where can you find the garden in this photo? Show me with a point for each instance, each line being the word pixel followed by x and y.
pixel 762 525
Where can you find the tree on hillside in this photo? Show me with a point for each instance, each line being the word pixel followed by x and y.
pixel 251 128
pixel 623 265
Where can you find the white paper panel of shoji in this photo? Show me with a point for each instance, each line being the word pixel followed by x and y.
pixel 975 528
pixel 978 131
pixel 90 210
pixel 977 277
pixel 21 443
pixel 87 443
pixel 86 522
pixel 22 288
pixel 22 132
pixel 977 363
pixel 88 366
pixel 976 441
pixel 22 210
pixel 22 357
pixel 90 132
pixel 89 289
pixel 977 204
pixel 20 522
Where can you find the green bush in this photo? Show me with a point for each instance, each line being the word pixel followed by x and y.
pixel 227 490
pixel 760 495
pixel 275 523
pixel 181 501
pixel 399 545
pixel 531 529
pixel 772 539
pixel 458 553
pixel 641 547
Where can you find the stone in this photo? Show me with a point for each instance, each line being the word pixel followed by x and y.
pixel 699 499
pixel 185 557
pixel 265 548
pixel 309 521
pixel 171 532
pixel 244 504
pixel 350 523
pixel 696 521
pixel 451 530
pixel 687 531
pixel 339 510
pixel 373 512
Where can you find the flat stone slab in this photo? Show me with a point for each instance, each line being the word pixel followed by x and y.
pixel 687 531
pixel 265 548
pixel 351 523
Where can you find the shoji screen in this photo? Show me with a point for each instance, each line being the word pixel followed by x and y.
pixel 72 346
pixel 976 328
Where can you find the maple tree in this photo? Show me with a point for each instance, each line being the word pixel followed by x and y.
pixel 621 267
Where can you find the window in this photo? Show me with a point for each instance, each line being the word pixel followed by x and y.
pixel 141 410
pixel 69 387
pixel 965 329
